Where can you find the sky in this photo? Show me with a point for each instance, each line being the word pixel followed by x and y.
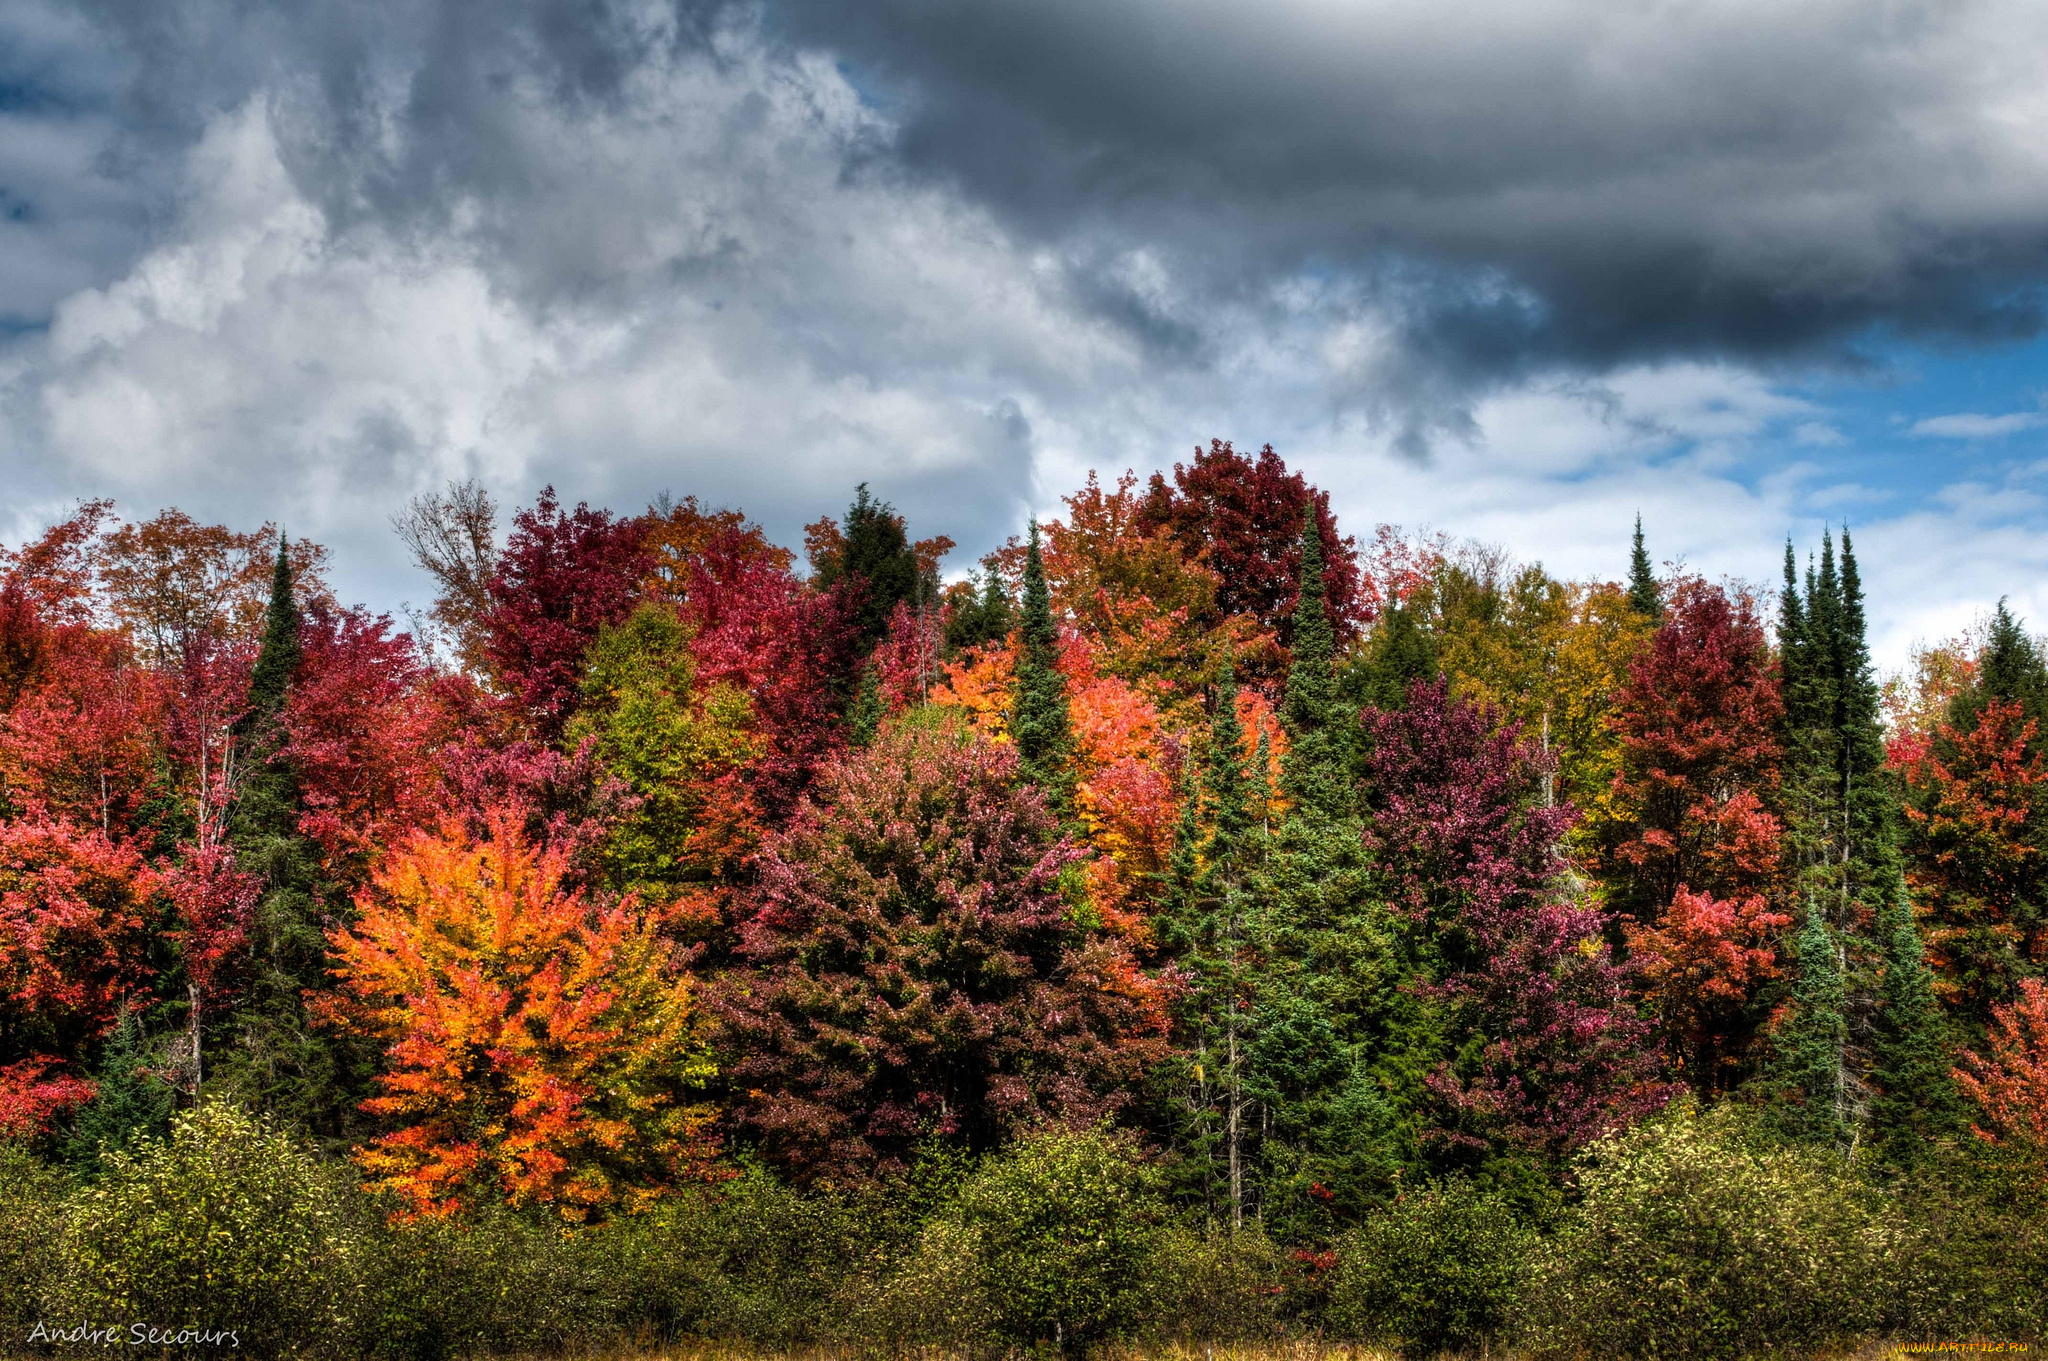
pixel 1516 270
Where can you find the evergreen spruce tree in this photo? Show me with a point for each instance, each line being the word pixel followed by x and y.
pixel 1808 1052
pixel 1039 720
pixel 1401 652
pixel 2010 671
pixel 1644 596
pixel 1870 804
pixel 130 1105
pixel 1313 773
pixel 278 1061
pixel 981 618
pixel 864 719
pixel 1914 1107
pixel 1208 927
pixel 875 558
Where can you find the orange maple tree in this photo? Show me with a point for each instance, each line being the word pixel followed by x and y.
pixel 542 1047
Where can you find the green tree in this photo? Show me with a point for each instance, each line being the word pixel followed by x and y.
pixel 1040 722
pixel 1212 927
pixel 874 559
pixel 1400 652
pixel 1808 1052
pixel 1061 1227
pixel 864 719
pixel 129 1105
pixel 1644 597
pixel 229 1224
pixel 1915 1105
pixel 278 1061
pixel 670 743
pixel 979 617
pixel 1313 772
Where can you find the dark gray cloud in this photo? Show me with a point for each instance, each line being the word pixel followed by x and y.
pixel 1579 182
pixel 298 260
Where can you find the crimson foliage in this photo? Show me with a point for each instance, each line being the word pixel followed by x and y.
pixel 1242 518
pixel 1548 1052
pixel 563 576
pixel 916 970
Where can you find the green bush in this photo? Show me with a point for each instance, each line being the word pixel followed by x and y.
pixel 1062 1226
pixel 1967 1265
pixel 1695 1240
pixel 1206 1284
pixel 230 1224
pixel 493 1281
pixel 31 1234
pixel 1439 1269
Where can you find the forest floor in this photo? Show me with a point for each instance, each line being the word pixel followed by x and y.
pixel 1302 1350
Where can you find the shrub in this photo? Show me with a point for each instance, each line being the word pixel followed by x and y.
pixel 1438 1269
pixel 1966 1265
pixel 31 1230
pixel 496 1280
pixel 1062 1227
pixel 1204 1284
pixel 229 1224
pixel 1694 1240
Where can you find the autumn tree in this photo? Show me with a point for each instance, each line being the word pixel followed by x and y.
pixel 1545 1052
pixel 77 914
pixel 1241 518
pixel 2009 1083
pixel 542 1048
pixel 564 576
pixel 915 969
pixel 170 580
pixel 1976 824
pixel 1694 867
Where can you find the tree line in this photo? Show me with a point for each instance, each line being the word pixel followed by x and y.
pixel 1324 869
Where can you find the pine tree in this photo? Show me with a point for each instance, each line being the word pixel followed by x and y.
pixel 1313 771
pixel 1644 597
pixel 129 1106
pixel 1206 926
pixel 1040 723
pixel 875 560
pixel 1807 1071
pixel 1402 652
pixel 1869 799
pixel 983 617
pixel 1915 1102
pixel 864 719
pixel 279 1061
pixel 277 660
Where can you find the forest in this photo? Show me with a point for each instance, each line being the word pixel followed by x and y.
pixel 1197 922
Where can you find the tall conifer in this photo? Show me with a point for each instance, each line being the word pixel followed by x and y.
pixel 1313 771
pixel 1040 722
pixel 1644 596
pixel 1914 1105
pixel 1808 1051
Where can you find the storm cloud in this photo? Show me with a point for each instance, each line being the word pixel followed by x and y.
pixel 309 258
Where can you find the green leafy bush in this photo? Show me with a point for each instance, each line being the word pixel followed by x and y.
pixel 1062 1227
pixel 1206 1284
pixel 230 1224
pixel 1696 1240
pixel 31 1234
pixel 493 1281
pixel 1440 1268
